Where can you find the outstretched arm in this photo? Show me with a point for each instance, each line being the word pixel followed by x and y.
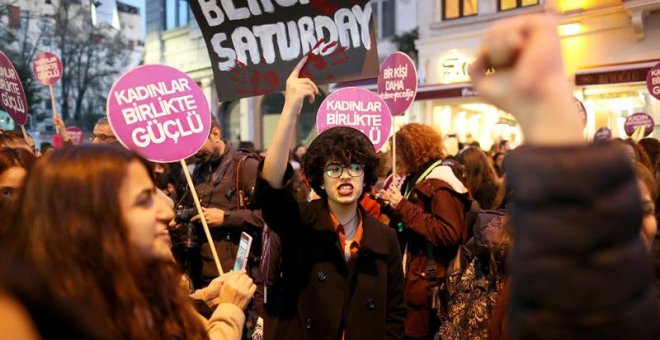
pixel 278 152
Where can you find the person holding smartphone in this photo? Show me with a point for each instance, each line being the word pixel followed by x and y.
pixel 341 274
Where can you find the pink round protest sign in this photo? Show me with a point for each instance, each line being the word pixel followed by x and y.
pixel 653 81
pixel 603 134
pixel 159 112
pixel 47 68
pixel 357 108
pixel 637 120
pixel 397 83
pixel 75 134
pixel 12 95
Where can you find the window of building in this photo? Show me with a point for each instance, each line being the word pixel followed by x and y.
pixel 505 5
pixel 14 16
pixel 384 14
pixel 454 9
pixel 230 121
pixel 176 14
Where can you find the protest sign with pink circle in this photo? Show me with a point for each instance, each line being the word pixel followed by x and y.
pixel 357 108
pixel 637 120
pixel 603 134
pixel 397 82
pixel 12 95
pixel 47 67
pixel 653 81
pixel 75 134
pixel 159 112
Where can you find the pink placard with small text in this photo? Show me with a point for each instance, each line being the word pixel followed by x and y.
pixel 12 95
pixel 47 68
pixel 397 82
pixel 637 120
pixel 159 112
pixel 653 81
pixel 357 108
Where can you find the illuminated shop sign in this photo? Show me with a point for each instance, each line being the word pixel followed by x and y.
pixel 454 67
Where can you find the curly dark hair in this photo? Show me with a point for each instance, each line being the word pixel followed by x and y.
pixel 343 145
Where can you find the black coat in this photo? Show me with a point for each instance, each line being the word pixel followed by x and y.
pixel 216 185
pixel 319 295
pixel 579 268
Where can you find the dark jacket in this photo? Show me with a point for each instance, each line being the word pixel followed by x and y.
pixel 318 294
pixel 215 183
pixel 579 269
pixel 433 214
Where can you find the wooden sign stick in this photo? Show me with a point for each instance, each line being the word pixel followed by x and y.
pixel 201 217
pixel 52 104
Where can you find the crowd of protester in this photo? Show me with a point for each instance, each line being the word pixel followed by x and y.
pixel 553 239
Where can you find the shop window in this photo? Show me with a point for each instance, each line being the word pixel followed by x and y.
pixel 505 5
pixel 14 16
pixel 454 9
pixel 384 16
pixel 271 109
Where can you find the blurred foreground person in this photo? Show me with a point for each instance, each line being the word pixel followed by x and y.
pixel 579 268
pixel 341 275
pixel 106 248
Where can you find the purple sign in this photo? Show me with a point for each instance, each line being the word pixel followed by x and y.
pixel 582 111
pixel 603 134
pixel 75 133
pixel 397 83
pixel 653 81
pixel 47 67
pixel 357 108
pixel 12 96
pixel 637 120
pixel 159 112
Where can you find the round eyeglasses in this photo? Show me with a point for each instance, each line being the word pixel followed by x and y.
pixel 334 170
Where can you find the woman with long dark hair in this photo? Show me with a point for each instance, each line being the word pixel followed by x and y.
pixel 481 177
pixel 89 219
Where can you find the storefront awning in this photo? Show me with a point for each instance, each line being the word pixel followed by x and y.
pixel 614 74
pixel 441 91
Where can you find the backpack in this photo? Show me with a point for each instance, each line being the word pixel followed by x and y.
pixel 475 278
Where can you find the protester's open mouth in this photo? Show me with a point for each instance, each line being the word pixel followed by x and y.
pixel 345 189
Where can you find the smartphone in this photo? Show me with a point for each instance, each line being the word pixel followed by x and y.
pixel 243 252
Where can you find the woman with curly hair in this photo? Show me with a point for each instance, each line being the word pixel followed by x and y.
pixel 89 219
pixel 341 275
pixel 429 211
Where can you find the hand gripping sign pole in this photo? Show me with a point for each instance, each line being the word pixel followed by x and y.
pixel 198 205
pixel 397 85
pixel 48 69
pixel 162 114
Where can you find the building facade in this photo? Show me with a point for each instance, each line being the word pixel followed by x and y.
pixel 36 27
pixel 608 46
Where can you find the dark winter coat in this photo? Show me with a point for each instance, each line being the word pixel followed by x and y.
pixel 216 185
pixel 579 269
pixel 433 214
pixel 318 294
